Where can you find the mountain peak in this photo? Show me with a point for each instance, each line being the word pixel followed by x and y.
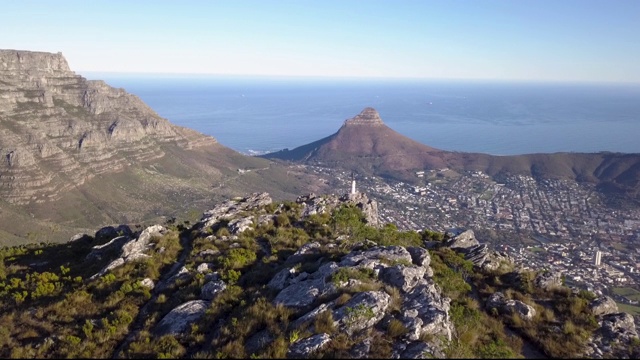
pixel 34 61
pixel 368 116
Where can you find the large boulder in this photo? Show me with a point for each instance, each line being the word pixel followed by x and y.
pixel 401 276
pixel 362 311
pixel 461 239
pixel 426 311
pixel 178 320
pixel 603 305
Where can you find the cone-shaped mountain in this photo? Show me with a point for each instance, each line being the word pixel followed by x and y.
pixel 364 143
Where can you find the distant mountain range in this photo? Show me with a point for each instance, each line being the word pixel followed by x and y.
pixel 366 144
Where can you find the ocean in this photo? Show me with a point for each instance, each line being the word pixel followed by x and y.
pixel 258 115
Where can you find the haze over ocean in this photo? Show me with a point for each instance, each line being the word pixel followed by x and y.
pixel 260 114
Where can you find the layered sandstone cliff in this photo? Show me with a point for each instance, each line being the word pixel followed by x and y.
pixel 58 129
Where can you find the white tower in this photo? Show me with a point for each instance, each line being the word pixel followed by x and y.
pixel 598 258
pixel 353 184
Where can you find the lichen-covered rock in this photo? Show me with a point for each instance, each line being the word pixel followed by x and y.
pixel 372 257
pixel 131 249
pixel 230 209
pixel 306 347
pixel 426 311
pixel 303 293
pixel 402 277
pixel 178 320
pixel 239 225
pixel 303 252
pixel 419 256
pixel 603 305
pixel 362 311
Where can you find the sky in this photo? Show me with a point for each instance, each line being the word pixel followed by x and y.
pixel 522 40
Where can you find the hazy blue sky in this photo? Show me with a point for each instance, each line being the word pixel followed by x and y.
pixel 558 40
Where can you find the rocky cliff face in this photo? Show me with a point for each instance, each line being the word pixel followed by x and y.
pixel 57 129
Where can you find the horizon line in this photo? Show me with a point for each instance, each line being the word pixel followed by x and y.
pixel 352 77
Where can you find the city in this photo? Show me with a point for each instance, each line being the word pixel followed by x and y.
pixel 557 225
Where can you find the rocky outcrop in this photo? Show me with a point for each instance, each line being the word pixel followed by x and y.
pixel 325 204
pixel 178 320
pixel 465 242
pixel 499 302
pixel 59 129
pixel 603 305
pixel 424 309
pixel 129 249
pixel 367 117
pixel 229 210
pixel 614 338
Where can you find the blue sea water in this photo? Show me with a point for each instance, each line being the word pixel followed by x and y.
pixel 256 115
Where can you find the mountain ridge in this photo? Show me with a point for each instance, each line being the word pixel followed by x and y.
pixel 310 278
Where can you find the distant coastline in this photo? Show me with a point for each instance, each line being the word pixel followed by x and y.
pixel 258 114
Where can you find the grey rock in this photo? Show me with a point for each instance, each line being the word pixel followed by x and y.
pixel 361 350
pixel 426 304
pixel 178 320
pixel 81 237
pixel 205 268
pixel 208 252
pixel 239 225
pixel 232 208
pixel 182 274
pixel 477 254
pixel 106 233
pixel 418 350
pixel 98 251
pixel 303 293
pixel 462 239
pixel 281 280
pixel 498 301
pixel 603 305
pixel 148 283
pixel 212 289
pixel 374 255
pixel 419 256
pixel 403 277
pixel 306 347
pixel 311 315
pixel 362 311
pixel 619 325
pixel 306 249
